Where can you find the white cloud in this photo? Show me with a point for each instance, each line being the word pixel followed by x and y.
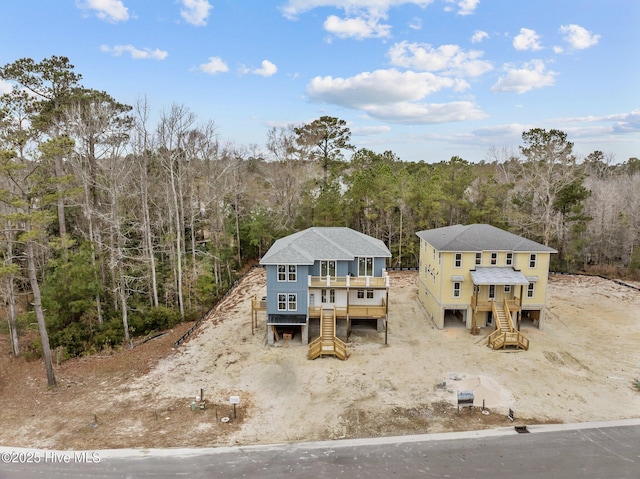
pixel 195 12
pixel 449 59
pixel 293 8
pixel 215 65
pixel 378 87
pixel 425 113
pixel 479 36
pixel 135 53
pixel 415 23
pixel 620 122
pixel 626 122
pixel 512 130
pixel 5 87
pixel 393 96
pixel 266 70
pixel 363 18
pixel 527 39
pixel 579 37
pixel 109 10
pixel 465 7
pixel 520 80
pixel 357 27
pixel 370 130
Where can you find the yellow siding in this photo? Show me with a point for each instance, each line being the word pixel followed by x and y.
pixel 541 271
pixel 449 270
pixel 437 269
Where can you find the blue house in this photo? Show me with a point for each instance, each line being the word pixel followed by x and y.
pixel 330 272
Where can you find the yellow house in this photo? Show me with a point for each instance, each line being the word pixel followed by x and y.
pixel 482 276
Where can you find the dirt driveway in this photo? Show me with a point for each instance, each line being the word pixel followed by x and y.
pixel 582 367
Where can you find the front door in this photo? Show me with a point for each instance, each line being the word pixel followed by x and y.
pixel 492 292
pixel 328 297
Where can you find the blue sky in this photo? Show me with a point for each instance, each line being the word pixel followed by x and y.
pixel 426 79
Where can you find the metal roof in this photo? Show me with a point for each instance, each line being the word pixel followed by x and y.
pixel 499 276
pixel 479 237
pixel 324 243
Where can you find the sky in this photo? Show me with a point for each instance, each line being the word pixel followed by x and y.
pixel 425 79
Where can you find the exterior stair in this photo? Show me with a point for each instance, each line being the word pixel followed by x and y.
pixel 505 335
pixel 327 344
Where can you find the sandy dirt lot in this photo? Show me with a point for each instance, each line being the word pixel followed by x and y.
pixel 583 366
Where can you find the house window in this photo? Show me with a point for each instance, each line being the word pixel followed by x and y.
pixel 494 258
pixel 327 268
pixel 287 272
pixel 509 259
pixel 507 288
pixel 361 294
pixel 293 273
pixel 282 301
pixel 458 261
pixel 478 259
pixel 365 266
pixel 492 292
pixel 456 290
pixel 328 295
pixel 532 261
pixel 531 290
pixel 293 302
pixel 369 294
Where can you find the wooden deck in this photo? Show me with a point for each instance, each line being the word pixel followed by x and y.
pixel 257 305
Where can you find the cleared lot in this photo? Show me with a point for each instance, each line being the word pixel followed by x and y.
pixel 582 367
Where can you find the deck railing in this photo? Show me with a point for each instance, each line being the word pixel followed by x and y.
pixel 374 282
pixel 514 304
pixel 501 338
pixel 353 311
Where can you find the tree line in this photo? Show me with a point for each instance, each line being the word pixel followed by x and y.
pixel 113 227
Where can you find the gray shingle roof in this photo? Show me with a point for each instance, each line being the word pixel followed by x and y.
pixel 479 237
pixel 493 275
pixel 324 243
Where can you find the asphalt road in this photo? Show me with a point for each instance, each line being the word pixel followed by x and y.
pixel 583 451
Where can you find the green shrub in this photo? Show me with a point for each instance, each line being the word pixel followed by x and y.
pixel 109 335
pixel 74 338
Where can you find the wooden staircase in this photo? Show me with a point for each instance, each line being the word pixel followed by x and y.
pixel 505 335
pixel 327 344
